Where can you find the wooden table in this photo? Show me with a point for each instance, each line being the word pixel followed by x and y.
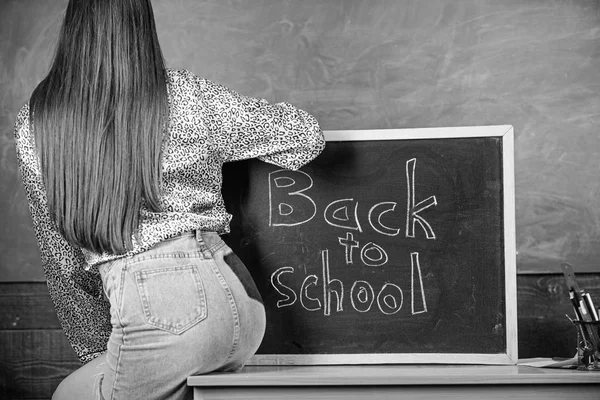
pixel 376 382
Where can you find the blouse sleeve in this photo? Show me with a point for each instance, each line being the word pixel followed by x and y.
pixel 245 127
pixel 77 294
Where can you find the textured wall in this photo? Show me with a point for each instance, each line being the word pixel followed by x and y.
pixel 375 64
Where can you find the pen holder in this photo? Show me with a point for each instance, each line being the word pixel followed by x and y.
pixel 588 354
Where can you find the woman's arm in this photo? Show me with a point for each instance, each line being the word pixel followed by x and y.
pixel 77 294
pixel 246 127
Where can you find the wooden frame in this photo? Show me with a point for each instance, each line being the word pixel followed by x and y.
pixel 506 133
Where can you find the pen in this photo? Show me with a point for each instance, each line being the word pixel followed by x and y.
pixel 590 306
pixel 585 315
pixel 578 317
pixel 592 334
pixel 575 304
pixel 582 310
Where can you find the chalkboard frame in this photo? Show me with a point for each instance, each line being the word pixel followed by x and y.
pixel 506 134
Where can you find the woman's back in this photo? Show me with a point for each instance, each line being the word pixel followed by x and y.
pixel 121 162
pixel 207 125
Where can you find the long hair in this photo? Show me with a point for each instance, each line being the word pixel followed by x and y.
pixel 98 119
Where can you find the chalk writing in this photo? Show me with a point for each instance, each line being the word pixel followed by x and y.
pixel 339 217
pixel 362 295
pixel 349 244
pixel 379 258
pixel 290 205
pixel 288 294
pixel 302 209
pixel 412 209
pixel 376 223
pixel 414 264
pixel 287 196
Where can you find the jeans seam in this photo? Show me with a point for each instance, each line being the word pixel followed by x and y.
pixel 234 310
pixel 98 381
pixel 119 300
pixel 182 254
pixel 217 247
pixel 118 312
pixel 118 364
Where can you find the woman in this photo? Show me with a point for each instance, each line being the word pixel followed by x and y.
pixel 121 161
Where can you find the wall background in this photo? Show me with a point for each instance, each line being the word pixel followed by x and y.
pixel 355 65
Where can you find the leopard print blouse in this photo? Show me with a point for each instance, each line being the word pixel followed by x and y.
pixel 209 125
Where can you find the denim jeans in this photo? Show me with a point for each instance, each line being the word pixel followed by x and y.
pixel 188 306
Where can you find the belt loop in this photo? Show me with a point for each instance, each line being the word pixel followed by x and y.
pixel 203 247
pixel 199 237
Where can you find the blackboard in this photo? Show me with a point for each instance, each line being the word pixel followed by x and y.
pixel 392 246
pixel 373 64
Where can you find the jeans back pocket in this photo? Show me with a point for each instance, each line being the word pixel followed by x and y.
pixel 173 297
